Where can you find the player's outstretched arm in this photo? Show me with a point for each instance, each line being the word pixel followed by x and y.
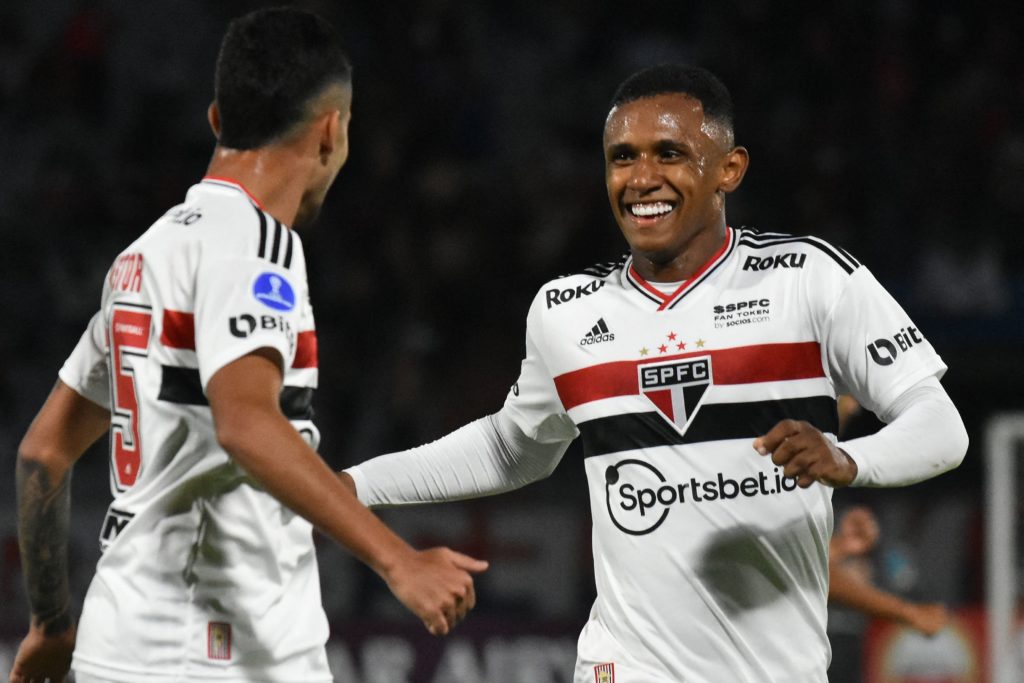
pixel 65 427
pixel 846 588
pixel 483 458
pixel 435 584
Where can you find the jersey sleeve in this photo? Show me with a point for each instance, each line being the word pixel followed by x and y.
pixel 872 347
pixel 86 370
pixel 533 403
pixel 243 304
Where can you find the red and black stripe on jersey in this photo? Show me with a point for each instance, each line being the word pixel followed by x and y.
pixel 712 421
pixel 179 384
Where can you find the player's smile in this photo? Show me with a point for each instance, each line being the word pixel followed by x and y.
pixel 650 212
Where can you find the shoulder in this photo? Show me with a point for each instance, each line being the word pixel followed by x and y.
pixel 762 251
pixel 224 222
pixel 590 281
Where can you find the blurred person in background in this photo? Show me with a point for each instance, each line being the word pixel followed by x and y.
pixel 202 363
pixel 711 563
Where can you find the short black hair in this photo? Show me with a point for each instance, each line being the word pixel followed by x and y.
pixel 272 62
pixel 693 81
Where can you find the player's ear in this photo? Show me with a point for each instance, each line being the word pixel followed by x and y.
pixel 328 129
pixel 213 116
pixel 734 167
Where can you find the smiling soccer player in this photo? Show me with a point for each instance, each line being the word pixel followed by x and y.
pixel 701 373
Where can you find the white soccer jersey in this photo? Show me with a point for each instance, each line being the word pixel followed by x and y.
pixel 710 565
pixel 204 575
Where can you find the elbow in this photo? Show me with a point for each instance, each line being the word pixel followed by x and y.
pixel 954 442
pixel 232 440
pixel 38 453
pixel 232 431
pixel 958 442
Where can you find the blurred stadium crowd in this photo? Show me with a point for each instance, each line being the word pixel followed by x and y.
pixel 894 128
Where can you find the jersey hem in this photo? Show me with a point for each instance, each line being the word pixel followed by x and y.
pixel 132 675
pixel 70 383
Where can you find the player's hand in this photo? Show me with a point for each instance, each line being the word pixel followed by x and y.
pixel 802 451
pixel 42 658
pixel 437 586
pixel 928 619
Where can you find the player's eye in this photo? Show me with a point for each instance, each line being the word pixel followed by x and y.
pixel 620 155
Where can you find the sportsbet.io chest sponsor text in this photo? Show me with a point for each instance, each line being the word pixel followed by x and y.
pixel 639 497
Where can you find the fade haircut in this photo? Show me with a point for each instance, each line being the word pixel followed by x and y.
pixel 272 63
pixel 693 81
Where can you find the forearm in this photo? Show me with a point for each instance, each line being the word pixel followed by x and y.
pixel 925 438
pixel 485 457
pixel 848 590
pixel 44 514
pixel 65 427
pixel 277 457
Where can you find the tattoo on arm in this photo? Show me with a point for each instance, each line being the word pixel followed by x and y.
pixel 44 514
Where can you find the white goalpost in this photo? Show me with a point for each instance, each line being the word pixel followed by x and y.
pixel 1004 435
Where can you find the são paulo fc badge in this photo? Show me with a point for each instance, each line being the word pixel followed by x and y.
pixel 676 388
pixel 604 673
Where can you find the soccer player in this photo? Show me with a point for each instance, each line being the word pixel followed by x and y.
pixel 202 363
pixel 701 372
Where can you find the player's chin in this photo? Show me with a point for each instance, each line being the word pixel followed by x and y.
pixel 651 248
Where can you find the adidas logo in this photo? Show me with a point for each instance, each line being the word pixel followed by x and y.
pixel 598 333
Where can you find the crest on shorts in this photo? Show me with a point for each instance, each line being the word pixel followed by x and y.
pixel 676 387
pixel 604 673
pixel 218 640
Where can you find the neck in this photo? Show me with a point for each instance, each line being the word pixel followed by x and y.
pixel 684 261
pixel 270 174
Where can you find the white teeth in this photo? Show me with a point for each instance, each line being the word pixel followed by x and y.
pixel 648 210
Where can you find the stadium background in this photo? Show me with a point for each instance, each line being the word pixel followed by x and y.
pixel 892 128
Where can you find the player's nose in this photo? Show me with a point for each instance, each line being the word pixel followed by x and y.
pixel 644 175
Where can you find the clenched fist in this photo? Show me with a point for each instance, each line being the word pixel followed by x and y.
pixel 803 452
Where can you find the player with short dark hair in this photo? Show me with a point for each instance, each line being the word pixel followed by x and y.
pixel 270 64
pixel 710 558
pixel 202 364
pixel 700 84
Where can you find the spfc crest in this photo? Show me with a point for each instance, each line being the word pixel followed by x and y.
pixel 676 387
pixel 604 673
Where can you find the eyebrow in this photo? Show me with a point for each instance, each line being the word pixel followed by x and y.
pixel 659 146
pixel 619 147
pixel 670 143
